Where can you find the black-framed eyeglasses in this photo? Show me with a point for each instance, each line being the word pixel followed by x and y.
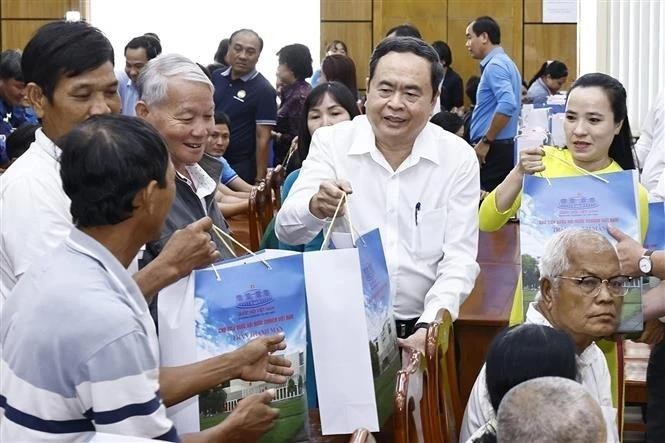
pixel 590 284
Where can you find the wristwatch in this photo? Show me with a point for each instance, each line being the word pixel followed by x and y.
pixel 645 264
pixel 486 140
pixel 420 325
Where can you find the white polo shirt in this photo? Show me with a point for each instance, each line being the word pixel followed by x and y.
pixel 34 208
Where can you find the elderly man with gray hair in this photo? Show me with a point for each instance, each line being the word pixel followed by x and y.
pixel 558 410
pixel 176 98
pixel 581 293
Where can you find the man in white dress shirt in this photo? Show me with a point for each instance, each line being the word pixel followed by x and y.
pixel 414 181
pixel 581 293
pixel 650 149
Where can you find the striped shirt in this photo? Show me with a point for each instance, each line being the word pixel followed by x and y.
pixel 79 351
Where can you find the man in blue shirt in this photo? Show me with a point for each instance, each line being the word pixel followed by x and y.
pixel 12 92
pixel 138 52
pixel 495 117
pixel 250 101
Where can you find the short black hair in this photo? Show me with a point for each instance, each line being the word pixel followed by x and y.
pixel 298 58
pixel 526 352
pixel 10 65
pixel 449 121
pixel 20 140
pixel 411 45
pixel 445 54
pixel 222 49
pixel 471 89
pixel 105 162
pixel 205 70
pixel 221 118
pixel 251 31
pixel 404 30
pixel 64 48
pixel 151 45
pixel 486 24
pixel 153 35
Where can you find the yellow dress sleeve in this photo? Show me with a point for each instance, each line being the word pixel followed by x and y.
pixel 644 210
pixel 490 218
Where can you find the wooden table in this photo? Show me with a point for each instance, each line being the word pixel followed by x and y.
pixel 487 310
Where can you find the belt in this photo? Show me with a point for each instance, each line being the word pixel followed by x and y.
pixel 505 141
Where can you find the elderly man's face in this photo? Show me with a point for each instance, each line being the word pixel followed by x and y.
pixel 575 311
pixel 400 99
pixel 184 120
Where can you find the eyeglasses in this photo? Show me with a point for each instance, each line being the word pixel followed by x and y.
pixel 590 285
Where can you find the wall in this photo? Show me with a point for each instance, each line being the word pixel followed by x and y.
pixel 19 19
pixel 529 41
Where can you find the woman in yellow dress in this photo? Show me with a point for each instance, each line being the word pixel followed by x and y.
pixel 598 140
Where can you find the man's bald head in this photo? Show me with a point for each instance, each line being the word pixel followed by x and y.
pixel 550 410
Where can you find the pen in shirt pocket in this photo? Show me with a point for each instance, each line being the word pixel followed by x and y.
pixel 417 210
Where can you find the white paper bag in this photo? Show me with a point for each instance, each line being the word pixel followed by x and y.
pixel 339 334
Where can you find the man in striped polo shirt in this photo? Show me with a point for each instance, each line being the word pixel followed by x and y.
pixel 79 348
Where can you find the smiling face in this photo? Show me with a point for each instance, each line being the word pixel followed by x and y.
pixel 584 317
pixel 75 99
pixel 400 99
pixel 590 127
pixel 184 119
pixel 326 113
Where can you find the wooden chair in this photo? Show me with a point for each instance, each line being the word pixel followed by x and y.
pixel 258 216
pixel 443 395
pixel 275 182
pixel 411 404
pixel 362 436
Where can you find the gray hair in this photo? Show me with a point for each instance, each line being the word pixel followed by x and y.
pixel 549 410
pixel 153 80
pixel 554 260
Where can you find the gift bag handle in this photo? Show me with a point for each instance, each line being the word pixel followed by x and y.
pixel 347 216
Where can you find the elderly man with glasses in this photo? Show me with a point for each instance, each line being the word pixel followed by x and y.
pixel 581 293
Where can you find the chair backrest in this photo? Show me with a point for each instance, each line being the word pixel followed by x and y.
pixel 411 416
pixel 276 181
pixel 443 393
pixel 362 436
pixel 255 227
pixel 264 198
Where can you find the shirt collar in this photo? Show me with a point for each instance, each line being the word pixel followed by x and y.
pixel 250 75
pixel 84 244
pixel 47 145
pixel 490 55
pixel 424 146
pixel 204 184
pixel 534 316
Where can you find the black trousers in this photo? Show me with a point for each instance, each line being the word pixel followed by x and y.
pixel 498 163
pixel 656 391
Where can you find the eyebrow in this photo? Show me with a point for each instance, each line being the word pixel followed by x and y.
pixel 88 85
